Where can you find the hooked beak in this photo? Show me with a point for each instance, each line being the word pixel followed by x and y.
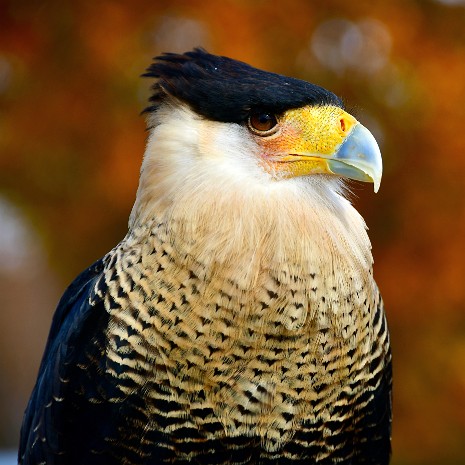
pixel 358 157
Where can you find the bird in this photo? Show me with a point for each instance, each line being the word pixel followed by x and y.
pixel 238 321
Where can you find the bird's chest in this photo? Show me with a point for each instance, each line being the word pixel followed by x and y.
pixel 253 362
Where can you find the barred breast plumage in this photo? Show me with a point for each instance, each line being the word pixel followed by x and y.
pixel 263 374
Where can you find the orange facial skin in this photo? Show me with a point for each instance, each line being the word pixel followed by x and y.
pixel 304 139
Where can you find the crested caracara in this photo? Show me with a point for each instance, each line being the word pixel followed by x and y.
pixel 238 322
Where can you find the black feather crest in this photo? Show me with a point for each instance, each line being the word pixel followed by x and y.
pixel 223 89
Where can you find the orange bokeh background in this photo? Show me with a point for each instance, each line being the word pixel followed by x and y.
pixel 72 139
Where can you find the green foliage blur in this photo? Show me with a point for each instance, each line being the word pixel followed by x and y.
pixel 72 140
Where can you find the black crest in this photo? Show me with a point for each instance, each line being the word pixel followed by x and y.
pixel 223 89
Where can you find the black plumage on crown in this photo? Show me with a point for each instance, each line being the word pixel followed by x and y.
pixel 227 90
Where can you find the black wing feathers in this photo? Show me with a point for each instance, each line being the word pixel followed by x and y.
pixel 42 438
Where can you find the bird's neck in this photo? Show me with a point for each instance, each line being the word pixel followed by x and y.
pixel 290 230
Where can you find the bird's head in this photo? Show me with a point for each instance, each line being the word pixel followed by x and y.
pixel 240 159
pixel 215 119
pixel 291 127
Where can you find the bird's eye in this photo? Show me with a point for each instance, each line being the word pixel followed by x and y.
pixel 262 123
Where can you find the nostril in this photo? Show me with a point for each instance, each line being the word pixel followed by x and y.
pixel 343 124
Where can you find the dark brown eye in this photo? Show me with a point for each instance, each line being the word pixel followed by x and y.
pixel 262 123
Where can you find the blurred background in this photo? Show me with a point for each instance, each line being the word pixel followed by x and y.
pixel 72 139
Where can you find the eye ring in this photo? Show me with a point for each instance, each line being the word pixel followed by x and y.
pixel 262 123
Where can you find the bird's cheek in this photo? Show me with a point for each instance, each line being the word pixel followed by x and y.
pixel 279 154
pixel 274 148
pixel 282 142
